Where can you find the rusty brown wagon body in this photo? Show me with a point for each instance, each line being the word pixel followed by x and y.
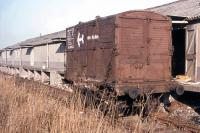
pixel 130 50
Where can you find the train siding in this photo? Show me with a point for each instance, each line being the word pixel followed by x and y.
pixel 128 50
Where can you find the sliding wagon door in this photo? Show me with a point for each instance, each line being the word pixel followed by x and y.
pixel 191 50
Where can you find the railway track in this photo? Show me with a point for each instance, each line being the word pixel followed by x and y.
pixel 177 123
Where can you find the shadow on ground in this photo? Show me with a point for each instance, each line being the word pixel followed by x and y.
pixel 191 99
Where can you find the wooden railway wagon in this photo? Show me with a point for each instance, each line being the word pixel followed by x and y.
pixel 130 51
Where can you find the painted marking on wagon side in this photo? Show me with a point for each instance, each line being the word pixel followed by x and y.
pixel 93 37
pixel 80 39
pixel 70 38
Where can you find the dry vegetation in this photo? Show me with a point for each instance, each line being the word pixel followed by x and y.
pixel 29 107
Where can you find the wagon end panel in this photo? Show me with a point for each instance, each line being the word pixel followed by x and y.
pixel 144 44
pixel 75 58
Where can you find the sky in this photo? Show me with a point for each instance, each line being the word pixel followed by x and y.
pixel 23 19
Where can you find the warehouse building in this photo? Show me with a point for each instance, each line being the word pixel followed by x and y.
pixel 185 15
pixel 40 58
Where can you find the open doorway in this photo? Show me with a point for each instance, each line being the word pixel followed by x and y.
pixel 178 58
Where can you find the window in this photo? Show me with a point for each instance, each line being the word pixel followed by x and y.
pixel 11 52
pixel 61 48
pixel 29 50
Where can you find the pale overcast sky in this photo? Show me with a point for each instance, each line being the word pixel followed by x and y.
pixel 23 19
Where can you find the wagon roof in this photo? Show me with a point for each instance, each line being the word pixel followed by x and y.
pixel 183 8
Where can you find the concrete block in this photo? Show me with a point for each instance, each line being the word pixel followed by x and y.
pixel 55 79
pixel 6 69
pixel 13 71
pixel 30 74
pixel 37 75
pixel 16 71
pixel 23 73
pixel 45 77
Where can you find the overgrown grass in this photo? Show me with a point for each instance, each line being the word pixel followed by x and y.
pixel 29 107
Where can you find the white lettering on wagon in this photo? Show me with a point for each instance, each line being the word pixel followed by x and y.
pixel 93 37
pixel 70 38
pixel 80 39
